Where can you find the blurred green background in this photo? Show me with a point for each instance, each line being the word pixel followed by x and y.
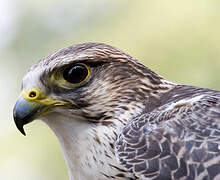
pixel 178 39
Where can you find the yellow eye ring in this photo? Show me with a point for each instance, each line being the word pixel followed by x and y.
pixel 72 76
pixel 76 74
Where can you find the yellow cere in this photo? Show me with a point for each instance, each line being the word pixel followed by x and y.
pixel 31 95
pixel 36 96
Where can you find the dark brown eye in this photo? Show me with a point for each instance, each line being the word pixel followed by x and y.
pixel 76 74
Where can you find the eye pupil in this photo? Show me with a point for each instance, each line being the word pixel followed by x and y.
pixel 75 74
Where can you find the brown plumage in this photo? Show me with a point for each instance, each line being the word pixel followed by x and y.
pixel 122 120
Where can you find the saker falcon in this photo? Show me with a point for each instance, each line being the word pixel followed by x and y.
pixel 117 119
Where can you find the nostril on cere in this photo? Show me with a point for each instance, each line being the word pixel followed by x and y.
pixel 32 94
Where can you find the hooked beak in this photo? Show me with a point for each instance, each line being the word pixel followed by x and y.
pixel 32 105
pixel 24 112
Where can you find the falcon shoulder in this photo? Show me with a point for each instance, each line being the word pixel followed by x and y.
pixel 179 139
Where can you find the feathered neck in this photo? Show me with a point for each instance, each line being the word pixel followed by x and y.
pixel 87 147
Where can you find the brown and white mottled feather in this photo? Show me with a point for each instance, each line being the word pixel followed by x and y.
pixel 127 122
pixel 180 139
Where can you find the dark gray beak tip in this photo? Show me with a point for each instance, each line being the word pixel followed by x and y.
pixel 20 127
pixel 24 112
pixel 19 123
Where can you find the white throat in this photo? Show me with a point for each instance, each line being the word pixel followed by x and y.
pixel 84 146
pixel 72 137
pixel 88 147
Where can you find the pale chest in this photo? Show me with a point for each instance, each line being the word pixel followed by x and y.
pixel 96 158
pixel 89 150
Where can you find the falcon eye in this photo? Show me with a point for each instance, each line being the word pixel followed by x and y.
pixel 76 74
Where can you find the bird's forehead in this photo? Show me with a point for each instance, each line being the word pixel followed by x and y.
pixel 93 52
pixel 87 51
pixel 32 79
pixel 50 63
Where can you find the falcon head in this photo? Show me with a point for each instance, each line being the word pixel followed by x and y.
pixel 86 94
pixel 91 82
